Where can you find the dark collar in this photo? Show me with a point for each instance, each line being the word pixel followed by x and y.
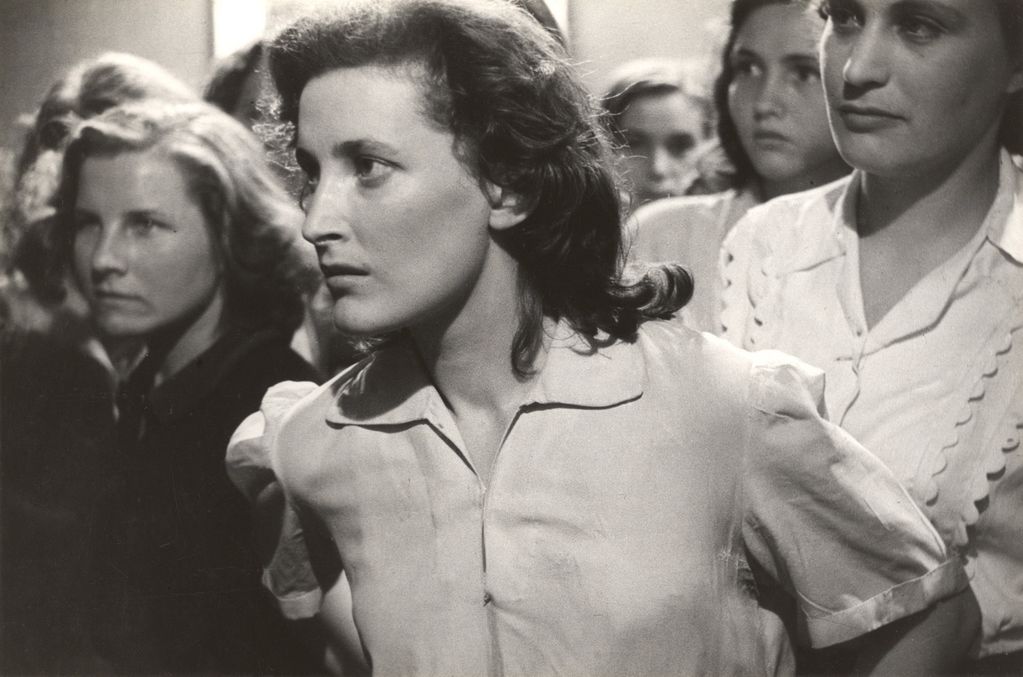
pixel 183 391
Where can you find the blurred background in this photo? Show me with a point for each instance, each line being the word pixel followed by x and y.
pixel 41 38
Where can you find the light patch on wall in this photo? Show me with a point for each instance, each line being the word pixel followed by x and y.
pixel 236 23
pixel 559 8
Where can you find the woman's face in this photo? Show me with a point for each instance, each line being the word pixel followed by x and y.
pixel 400 226
pixel 661 130
pixel 143 252
pixel 775 98
pixel 914 87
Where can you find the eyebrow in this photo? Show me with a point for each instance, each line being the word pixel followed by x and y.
pixel 347 149
pixel 946 12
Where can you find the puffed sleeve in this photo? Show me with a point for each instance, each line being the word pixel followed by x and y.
pixel 827 519
pixel 287 571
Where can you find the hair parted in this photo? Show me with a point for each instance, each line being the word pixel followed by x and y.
pixel 253 221
pixel 522 120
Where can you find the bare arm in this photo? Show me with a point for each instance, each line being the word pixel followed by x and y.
pixel 933 641
pixel 344 649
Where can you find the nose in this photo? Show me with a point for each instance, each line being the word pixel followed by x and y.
pixel 867 60
pixel 769 101
pixel 109 256
pixel 325 218
pixel 661 162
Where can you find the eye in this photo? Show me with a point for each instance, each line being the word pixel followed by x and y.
pixel 841 18
pixel 806 73
pixel 920 28
pixel 83 222
pixel 310 176
pixel 746 68
pixel 309 185
pixel 679 145
pixel 371 170
pixel 142 225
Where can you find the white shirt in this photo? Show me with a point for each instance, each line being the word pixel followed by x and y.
pixel 690 230
pixel 612 536
pixel 935 389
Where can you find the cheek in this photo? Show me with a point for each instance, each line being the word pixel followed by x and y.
pixel 188 265
pixel 82 248
pixel 740 109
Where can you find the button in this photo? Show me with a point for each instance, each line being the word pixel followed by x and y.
pixel 487 598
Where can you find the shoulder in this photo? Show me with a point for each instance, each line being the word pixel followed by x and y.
pixel 791 215
pixel 675 211
pixel 268 357
pixel 764 380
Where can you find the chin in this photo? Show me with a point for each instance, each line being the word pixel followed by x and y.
pixel 356 326
pixel 117 328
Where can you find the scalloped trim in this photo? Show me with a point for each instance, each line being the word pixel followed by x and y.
pixel 994 458
pixel 757 292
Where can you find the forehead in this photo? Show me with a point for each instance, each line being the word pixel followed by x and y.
pixel 779 29
pixel 972 9
pixel 148 175
pixel 364 101
pixel 664 109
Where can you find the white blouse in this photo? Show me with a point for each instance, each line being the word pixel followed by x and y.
pixel 690 230
pixel 935 389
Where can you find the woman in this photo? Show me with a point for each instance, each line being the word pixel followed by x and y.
pixel 34 293
pixel 179 236
pixel 535 474
pixel 904 282
pixel 658 123
pixel 773 131
pixel 50 355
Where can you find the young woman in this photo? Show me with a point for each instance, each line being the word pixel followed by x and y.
pixel 905 281
pixel 49 354
pixel 773 129
pixel 179 236
pixel 534 474
pixel 658 123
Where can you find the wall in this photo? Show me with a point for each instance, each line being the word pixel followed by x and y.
pixel 41 38
pixel 606 33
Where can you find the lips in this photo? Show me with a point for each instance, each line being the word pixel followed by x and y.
pixel 113 295
pixel 769 136
pixel 341 277
pixel 861 118
pixel 340 270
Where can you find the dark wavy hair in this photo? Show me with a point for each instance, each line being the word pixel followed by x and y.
pixel 254 222
pixel 521 120
pixel 1011 14
pixel 227 82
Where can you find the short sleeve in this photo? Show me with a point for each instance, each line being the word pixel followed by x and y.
pixel 827 519
pixel 288 572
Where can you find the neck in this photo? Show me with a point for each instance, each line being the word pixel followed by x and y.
pixel 469 354
pixel 825 173
pixel 947 198
pixel 174 347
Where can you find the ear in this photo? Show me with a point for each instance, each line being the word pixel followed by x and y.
pixel 1015 85
pixel 1015 82
pixel 507 209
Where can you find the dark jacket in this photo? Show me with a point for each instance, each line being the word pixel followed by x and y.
pixel 174 579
